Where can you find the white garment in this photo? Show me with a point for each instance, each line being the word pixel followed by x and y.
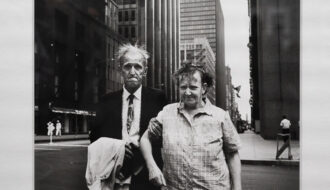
pixel 285 124
pixel 58 129
pixel 50 128
pixel 105 158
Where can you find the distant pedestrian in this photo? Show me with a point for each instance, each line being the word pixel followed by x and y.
pixel 50 127
pixel 58 128
pixel 285 125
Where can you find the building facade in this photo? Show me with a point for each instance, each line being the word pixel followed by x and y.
pixel 274 65
pixel 199 50
pixel 204 19
pixel 230 94
pixel 129 15
pixel 75 43
pixel 156 26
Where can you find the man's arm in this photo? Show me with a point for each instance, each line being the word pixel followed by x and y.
pixel 155 174
pixel 234 165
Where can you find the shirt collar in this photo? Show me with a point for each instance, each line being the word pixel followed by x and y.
pixel 137 93
pixel 206 109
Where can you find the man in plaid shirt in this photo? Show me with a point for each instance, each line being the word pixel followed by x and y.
pixel 200 143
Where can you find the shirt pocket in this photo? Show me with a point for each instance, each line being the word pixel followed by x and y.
pixel 212 146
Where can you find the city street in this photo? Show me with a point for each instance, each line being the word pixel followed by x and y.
pixel 62 166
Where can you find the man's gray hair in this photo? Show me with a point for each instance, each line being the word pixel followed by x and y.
pixel 123 49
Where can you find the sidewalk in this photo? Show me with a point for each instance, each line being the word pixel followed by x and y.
pixel 256 150
pixel 45 138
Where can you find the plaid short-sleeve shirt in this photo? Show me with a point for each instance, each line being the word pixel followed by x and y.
pixel 194 150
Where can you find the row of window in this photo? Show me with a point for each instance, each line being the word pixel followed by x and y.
pixel 200 22
pixel 125 2
pixel 189 38
pixel 199 8
pixel 202 31
pixel 127 31
pixel 198 4
pixel 196 14
pixel 127 15
pixel 191 46
pixel 193 18
pixel 195 1
pixel 198 27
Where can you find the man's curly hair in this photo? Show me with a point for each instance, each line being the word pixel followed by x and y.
pixel 123 49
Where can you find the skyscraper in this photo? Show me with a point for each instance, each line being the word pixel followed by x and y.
pixel 204 18
pixel 275 65
pixel 74 49
pixel 156 26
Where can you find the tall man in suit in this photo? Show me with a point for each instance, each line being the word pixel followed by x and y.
pixel 125 114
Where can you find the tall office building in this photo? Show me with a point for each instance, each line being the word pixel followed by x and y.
pixel 129 19
pixel 75 43
pixel 154 24
pixel 204 18
pixel 274 65
pixel 198 20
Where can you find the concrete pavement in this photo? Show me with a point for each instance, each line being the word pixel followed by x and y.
pixel 256 150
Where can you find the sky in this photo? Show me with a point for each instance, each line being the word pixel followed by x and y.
pixel 236 24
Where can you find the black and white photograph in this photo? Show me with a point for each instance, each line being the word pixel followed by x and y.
pixel 167 94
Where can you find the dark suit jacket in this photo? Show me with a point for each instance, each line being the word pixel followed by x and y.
pixel 109 124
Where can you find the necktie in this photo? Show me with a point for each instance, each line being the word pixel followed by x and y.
pixel 130 113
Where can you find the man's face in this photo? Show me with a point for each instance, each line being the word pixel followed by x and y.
pixel 133 70
pixel 191 90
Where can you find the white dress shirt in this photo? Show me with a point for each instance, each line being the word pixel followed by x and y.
pixel 133 135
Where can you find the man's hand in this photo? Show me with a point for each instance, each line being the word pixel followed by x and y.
pixel 156 176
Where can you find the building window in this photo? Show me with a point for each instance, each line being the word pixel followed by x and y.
pixel 190 55
pixel 120 16
pixel 182 55
pixel 56 86
pixel 126 32
pixel 126 16
pixel 133 15
pixel 120 30
pixel 76 91
pixel 133 35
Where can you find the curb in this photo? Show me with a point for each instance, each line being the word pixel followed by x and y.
pixel 291 163
pixel 41 140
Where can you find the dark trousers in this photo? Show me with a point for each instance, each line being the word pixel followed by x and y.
pixel 285 131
